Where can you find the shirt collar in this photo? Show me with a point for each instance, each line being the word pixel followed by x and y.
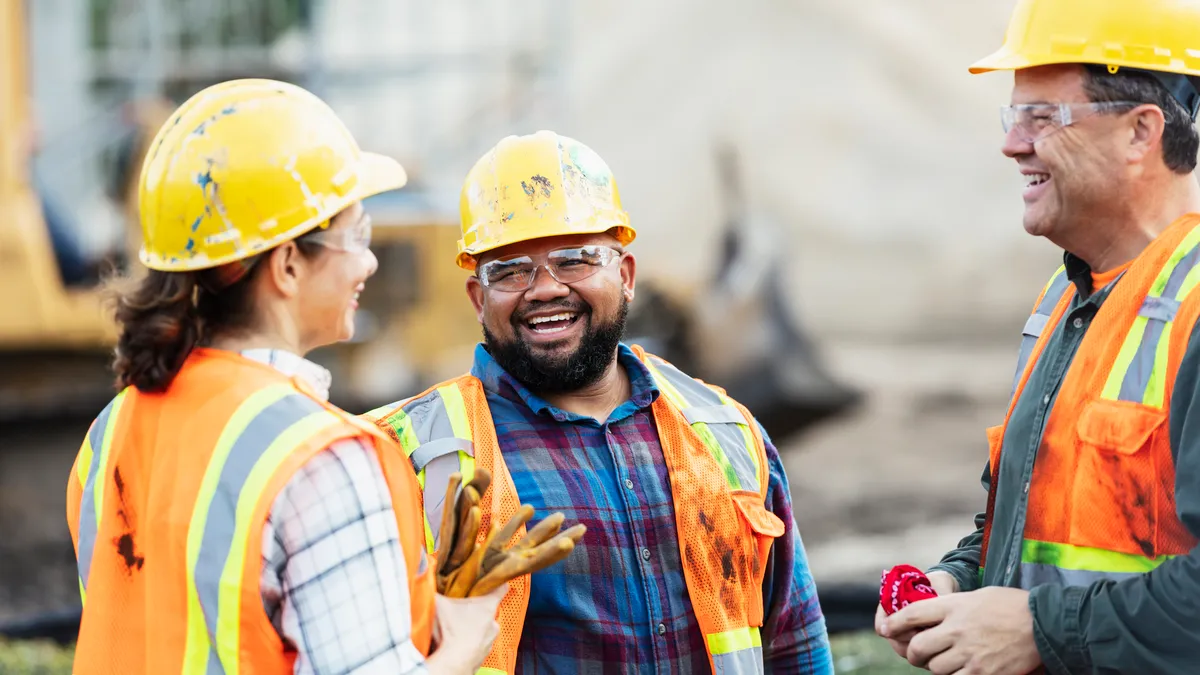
pixel 317 377
pixel 496 380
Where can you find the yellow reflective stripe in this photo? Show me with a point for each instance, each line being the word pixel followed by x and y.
pixel 229 605
pixel 82 592
pixel 1062 269
pixel 734 640
pixel 490 671
pixel 1129 349
pixel 105 450
pixel 1156 387
pixel 701 429
pixel 196 647
pixel 84 462
pixel 1066 556
pixel 456 410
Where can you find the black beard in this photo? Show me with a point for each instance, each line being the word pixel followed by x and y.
pixel 583 367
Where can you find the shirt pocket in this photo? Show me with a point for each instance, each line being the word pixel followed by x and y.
pixel 764 527
pixel 1115 486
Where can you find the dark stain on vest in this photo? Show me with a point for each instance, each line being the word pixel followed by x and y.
pixel 708 525
pixel 124 543
pixel 727 564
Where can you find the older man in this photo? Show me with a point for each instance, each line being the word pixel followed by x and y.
pixel 691 562
pixel 1086 557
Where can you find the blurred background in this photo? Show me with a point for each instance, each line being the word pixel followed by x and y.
pixel 826 224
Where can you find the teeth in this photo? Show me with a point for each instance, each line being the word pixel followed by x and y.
pixel 1036 179
pixel 557 317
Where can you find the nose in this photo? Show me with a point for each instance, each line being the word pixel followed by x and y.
pixel 372 263
pixel 545 287
pixel 1014 146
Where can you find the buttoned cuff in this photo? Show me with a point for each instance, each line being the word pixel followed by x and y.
pixel 1057 628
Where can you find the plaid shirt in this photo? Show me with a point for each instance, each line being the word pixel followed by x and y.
pixel 620 603
pixel 334 581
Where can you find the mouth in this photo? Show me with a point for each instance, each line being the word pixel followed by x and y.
pixel 553 323
pixel 354 298
pixel 1035 183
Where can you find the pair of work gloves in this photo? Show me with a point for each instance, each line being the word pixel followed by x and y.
pixel 468 568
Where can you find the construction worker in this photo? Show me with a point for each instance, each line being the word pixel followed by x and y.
pixel 1085 559
pixel 225 517
pixel 691 562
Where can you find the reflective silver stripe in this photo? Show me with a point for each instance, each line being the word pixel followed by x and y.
pixel 727 430
pixel 427 452
pixel 1158 311
pixel 436 453
pixel 743 661
pixel 221 521
pixel 1034 574
pixel 713 414
pixel 87 503
pixel 1036 323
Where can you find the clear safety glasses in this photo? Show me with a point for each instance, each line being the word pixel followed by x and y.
pixel 565 265
pixel 354 239
pixel 1036 121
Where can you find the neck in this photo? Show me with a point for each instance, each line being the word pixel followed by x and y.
pixel 598 399
pixel 1127 232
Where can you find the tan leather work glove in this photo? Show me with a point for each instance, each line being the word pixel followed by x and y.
pixel 467 569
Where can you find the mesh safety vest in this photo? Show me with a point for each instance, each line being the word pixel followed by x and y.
pixel 166 504
pixel 718 469
pixel 1102 496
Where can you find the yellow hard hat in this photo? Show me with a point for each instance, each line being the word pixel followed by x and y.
pixel 539 185
pixel 244 166
pixel 1161 37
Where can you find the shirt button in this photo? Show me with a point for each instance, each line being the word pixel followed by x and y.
pixel 628 483
pixel 1078 322
pixel 662 630
pixel 1010 570
pixel 645 554
pixel 1046 399
pixel 1026 487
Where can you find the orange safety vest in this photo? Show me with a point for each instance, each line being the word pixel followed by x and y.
pixel 718 468
pixel 166 504
pixel 1102 496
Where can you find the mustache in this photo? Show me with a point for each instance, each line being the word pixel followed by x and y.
pixel 578 307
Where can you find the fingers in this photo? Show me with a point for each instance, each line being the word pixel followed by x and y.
pixel 449 519
pixel 917 615
pixel 469 572
pixel 510 528
pixel 542 531
pixel 948 662
pixel 480 481
pixel 465 544
pixel 928 644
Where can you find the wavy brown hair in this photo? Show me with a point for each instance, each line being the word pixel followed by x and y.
pixel 163 316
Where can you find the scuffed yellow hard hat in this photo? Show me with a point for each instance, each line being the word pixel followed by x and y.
pixel 244 166
pixel 534 186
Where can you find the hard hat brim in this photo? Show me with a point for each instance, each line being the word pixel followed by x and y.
pixel 378 174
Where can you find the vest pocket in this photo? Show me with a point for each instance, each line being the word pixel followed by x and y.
pixel 764 527
pixel 1115 483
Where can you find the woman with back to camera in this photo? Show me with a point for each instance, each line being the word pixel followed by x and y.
pixel 226 517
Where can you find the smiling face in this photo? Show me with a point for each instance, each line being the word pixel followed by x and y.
pixel 334 279
pixel 1076 174
pixel 555 336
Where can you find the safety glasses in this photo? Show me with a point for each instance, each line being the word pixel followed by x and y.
pixel 355 239
pixel 565 265
pixel 1036 121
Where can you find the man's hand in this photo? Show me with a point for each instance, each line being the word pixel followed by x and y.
pixel 990 630
pixel 943 583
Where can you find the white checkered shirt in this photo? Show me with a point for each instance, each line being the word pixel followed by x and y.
pixel 333 575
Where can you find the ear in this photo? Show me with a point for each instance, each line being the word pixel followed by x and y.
pixel 1148 126
pixel 284 268
pixel 475 291
pixel 628 275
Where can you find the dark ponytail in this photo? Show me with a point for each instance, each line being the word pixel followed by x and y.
pixel 163 316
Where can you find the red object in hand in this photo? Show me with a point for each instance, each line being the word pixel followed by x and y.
pixel 903 585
